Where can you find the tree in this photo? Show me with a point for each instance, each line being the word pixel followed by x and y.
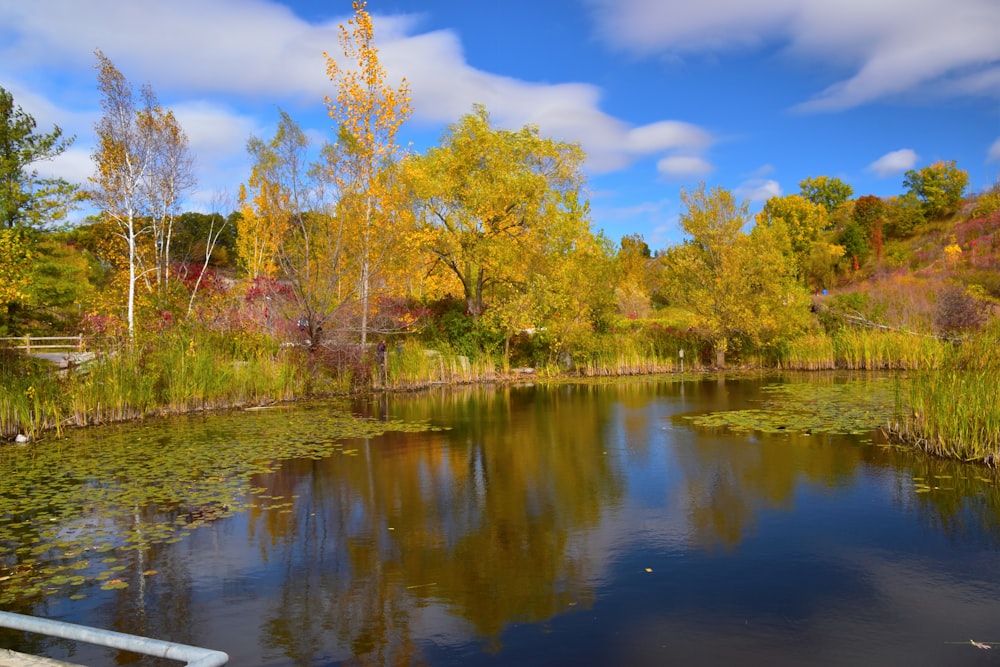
pixel 741 287
pixel 802 219
pixel 169 176
pixel 368 113
pixel 16 253
pixel 489 200
pixel 825 190
pixel 633 262
pixel 297 234
pixel 143 168
pixel 27 199
pixel 938 187
pixel 123 157
pixel 870 214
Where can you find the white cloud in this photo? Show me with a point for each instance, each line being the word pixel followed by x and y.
pixel 667 134
pixel 683 166
pixel 74 166
pixel 889 46
pixel 757 189
pixel 993 154
pixel 255 50
pixel 894 163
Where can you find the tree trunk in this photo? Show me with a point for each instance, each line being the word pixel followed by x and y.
pixel 720 352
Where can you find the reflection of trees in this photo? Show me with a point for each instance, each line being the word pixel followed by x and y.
pixel 961 500
pixel 731 477
pixel 488 518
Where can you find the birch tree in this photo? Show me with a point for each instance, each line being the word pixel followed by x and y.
pixel 169 176
pixel 123 158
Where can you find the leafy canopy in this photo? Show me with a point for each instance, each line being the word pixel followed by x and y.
pixel 741 287
pixel 827 191
pixel 939 187
pixel 27 199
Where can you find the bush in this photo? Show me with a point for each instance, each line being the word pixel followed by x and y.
pixel 957 312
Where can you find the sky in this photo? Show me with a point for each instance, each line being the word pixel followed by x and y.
pixel 662 95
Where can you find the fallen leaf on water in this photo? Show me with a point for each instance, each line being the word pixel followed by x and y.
pixel 981 645
pixel 649 569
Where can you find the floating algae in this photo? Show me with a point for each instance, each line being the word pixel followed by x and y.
pixel 855 407
pixel 72 509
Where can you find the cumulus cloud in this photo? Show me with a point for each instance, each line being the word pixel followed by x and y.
pixel 993 154
pixel 757 189
pixel 895 162
pixel 889 47
pixel 683 166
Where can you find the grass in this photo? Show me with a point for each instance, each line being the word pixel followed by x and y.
pixel 859 349
pixel 179 372
pixel 412 366
pixel 955 411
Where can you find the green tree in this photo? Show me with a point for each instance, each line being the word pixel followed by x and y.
pixel 741 287
pixel 828 191
pixel 939 187
pixel 490 201
pixel 27 201
pixel 26 198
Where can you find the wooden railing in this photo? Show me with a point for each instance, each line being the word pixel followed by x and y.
pixel 44 343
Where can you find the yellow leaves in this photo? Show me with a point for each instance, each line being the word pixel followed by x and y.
pixel 15 251
pixel 952 253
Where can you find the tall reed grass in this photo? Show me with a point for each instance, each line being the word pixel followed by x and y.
pixel 413 366
pixel 178 372
pixel 953 413
pixel 859 349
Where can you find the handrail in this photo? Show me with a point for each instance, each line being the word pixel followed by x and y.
pixel 27 343
pixel 192 656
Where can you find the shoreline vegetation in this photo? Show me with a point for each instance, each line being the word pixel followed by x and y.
pixel 947 398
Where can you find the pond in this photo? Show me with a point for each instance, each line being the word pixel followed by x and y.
pixel 716 520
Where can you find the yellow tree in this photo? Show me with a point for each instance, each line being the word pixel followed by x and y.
pixel 263 204
pixel 633 262
pixel 169 176
pixel 741 287
pixel 368 113
pixel 491 200
pixel 14 274
pixel 803 221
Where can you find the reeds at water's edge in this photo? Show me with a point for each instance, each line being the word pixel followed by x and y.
pixel 948 404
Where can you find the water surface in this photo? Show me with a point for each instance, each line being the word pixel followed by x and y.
pixel 584 524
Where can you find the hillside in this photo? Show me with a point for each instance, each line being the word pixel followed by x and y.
pixel 942 278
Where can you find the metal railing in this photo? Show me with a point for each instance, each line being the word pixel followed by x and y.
pixel 192 656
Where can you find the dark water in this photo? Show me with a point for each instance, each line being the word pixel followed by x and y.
pixel 568 525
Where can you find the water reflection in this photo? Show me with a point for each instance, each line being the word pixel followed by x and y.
pixel 489 519
pixel 580 522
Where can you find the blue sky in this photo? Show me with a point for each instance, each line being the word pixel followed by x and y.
pixel 753 96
